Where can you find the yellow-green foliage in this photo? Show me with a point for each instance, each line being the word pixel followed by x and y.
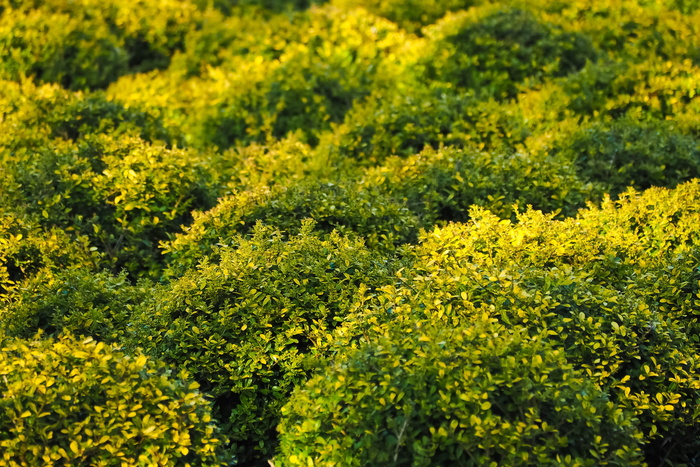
pixel 480 394
pixel 142 142
pixel 616 288
pixel 67 402
pixel 344 206
pixel 410 14
pixel 246 325
pixel 632 153
pixel 441 185
pixel 403 121
pixel 122 193
pixel 308 82
pixel 631 30
pixel 27 250
pixel 89 43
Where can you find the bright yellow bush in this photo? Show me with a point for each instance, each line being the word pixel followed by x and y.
pixel 67 402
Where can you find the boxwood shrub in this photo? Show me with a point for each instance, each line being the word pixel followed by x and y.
pixel 615 288
pixel 88 44
pixel 124 194
pixel 480 394
pixel 356 211
pixel 442 185
pixel 329 62
pixel 28 251
pixel 411 15
pixel 48 111
pixel 79 302
pixel 403 121
pixel 71 402
pixel 492 50
pixel 247 325
pixel 630 153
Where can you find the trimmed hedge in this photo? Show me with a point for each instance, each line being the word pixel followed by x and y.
pixel 27 251
pixel 88 44
pixel 382 221
pixel 69 402
pixel 493 50
pixel 124 194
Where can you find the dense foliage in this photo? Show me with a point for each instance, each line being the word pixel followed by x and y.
pixel 69 402
pixel 375 232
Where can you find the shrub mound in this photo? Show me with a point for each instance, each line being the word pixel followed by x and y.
pixel 69 402
pixel 245 326
pixel 480 394
pixel 615 288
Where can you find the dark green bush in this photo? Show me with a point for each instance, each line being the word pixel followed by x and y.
pixel 442 185
pixel 79 302
pixel 350 208
pixel 229 7
pixel 404 121
pixel 492 51
pixel 638 154
pixel 246 326
pixel 629 31
pixel 67 402
pixel 481 394
pixel 650 90
pixel 410 14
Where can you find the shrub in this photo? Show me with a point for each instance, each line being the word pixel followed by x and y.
pixel 312 85
pixel 493 50
pixel 246 325
pixel 410 14
pixel 614 288
pixel 480 394
pixel 650 90
pixel 353 210
pixel 278 6
pixel 27 251
pixel 406 120
pixel 122 193
pixel 72 402
pixel 632 31
pixel 47 112
pixel 442 185
pixel 638 154
pixel 88 44
pixel 58 48
pixel 79 302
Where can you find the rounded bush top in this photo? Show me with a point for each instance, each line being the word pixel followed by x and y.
pixel 68 402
